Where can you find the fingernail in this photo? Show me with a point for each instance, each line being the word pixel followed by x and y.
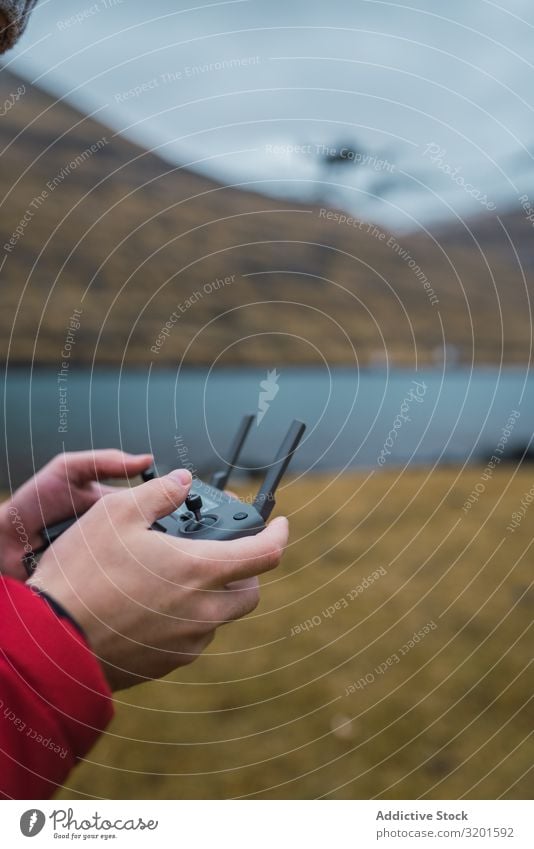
pixel 183 476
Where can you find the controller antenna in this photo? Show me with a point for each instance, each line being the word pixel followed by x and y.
pixel 264 501
pixel 220 479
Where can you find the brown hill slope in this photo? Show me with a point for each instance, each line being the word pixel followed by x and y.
pixel 109 229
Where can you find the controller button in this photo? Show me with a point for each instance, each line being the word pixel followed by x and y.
pixel 240 516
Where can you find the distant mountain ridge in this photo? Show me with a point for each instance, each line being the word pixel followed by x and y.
pixel 93 223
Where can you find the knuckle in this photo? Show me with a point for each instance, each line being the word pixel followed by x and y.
pixel 60 459
pixel 168 489
pixel 273 557
pixel 211 615
pixel 250 601
pixel 254 599
pixel 102 455
pixel 112 453
pixel 115 503
pixel 243 603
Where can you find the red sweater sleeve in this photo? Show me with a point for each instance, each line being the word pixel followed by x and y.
pixel 54 700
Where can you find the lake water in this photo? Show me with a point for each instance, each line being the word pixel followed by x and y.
pixel 355 419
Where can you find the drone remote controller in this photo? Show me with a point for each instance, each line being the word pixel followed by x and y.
pixel 209 512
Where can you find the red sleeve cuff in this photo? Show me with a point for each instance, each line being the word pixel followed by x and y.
pixel 56 687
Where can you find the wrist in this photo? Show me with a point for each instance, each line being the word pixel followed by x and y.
pixel 51 586
pixel 66 605
pixel 60 611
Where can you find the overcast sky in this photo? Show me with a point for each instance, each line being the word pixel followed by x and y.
pixel 224 85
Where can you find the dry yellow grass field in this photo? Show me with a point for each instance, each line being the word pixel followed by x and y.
pixel 265 714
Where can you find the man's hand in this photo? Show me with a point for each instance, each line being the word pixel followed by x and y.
pixel 150 602
pixel 68 485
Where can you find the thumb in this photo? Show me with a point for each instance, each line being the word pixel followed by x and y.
pixel 159 497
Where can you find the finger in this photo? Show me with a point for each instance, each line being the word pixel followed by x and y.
pixel 85 498
pixel 106 463
pixel 93 493
pixel 101 489
pixel 245 584
pixel 240 599
pixel 243 558
pixel 156 498
pixel 230 602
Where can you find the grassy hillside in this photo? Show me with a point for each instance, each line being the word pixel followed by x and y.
pixel 267 715
pixel 112 230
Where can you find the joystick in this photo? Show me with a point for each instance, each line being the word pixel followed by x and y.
pixel 194 505
pixel 209 512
